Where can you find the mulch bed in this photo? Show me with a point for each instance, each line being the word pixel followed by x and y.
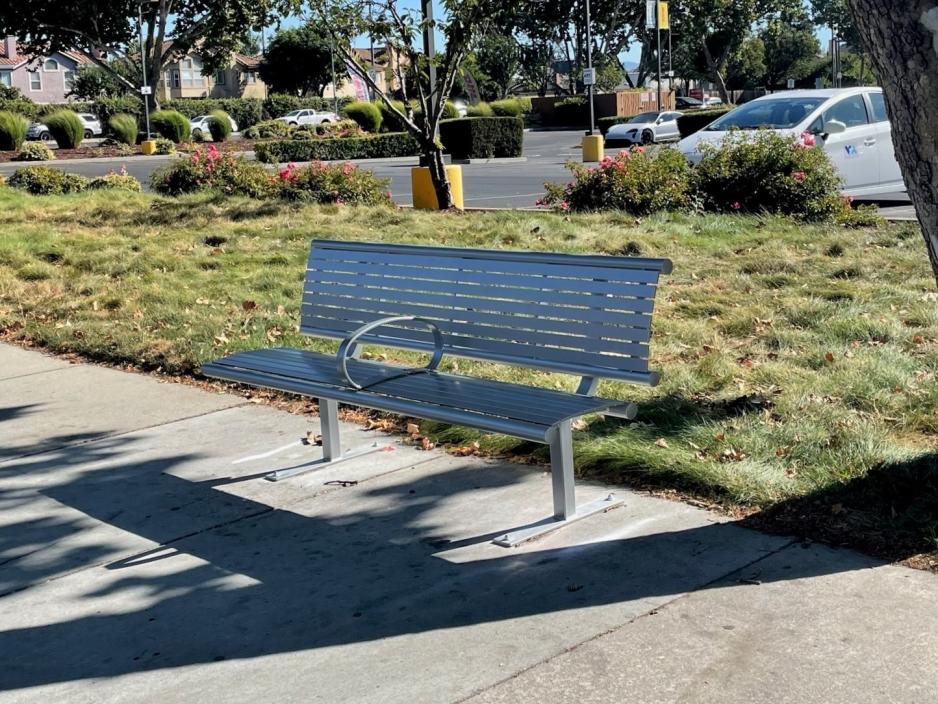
pixel 235 145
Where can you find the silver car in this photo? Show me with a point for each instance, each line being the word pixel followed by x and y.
pixel 646 128
pixel 90 122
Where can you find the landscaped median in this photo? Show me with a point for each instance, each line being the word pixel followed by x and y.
pixel 798 361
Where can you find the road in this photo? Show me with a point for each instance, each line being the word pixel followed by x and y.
pixel 501 185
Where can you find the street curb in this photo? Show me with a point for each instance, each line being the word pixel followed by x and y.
pixel 503 160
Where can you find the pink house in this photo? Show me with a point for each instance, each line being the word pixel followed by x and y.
pixel 44 79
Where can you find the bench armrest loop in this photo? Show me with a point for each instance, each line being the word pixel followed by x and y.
pixel 349 343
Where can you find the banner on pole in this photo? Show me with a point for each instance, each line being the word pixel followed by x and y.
pixel 664 17
pixel 650 18
pixel 358 84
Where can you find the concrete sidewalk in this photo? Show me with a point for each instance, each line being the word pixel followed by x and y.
pixel 143 558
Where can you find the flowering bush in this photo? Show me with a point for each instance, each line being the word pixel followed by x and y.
pixel 769 172
pixel 34 151
pixel 46 181
pixel 116 181
pixel 636 181
pixel 206 170
pixel 333 183
pixel 165 146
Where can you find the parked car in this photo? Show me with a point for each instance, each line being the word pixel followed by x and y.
pixel 198 126
pixel 646 128
pixel 92 124
pixel 686 102
pixel 850 124
pixel 712 101
pixel 461 108
pixel 309 117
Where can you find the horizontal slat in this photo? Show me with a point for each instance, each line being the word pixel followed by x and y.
pixel 449 303
pixel 469 282
pixel 663 265
pixel 630 369
pixel 465 335
pixel 338 261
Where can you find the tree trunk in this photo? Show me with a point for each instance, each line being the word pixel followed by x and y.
pixel 716 75
pixel 434 158
pixel 902 41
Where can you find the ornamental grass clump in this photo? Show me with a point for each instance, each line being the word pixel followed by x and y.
pixel 66 128
pixel 636 181
pixel 13 129
pixel 767 172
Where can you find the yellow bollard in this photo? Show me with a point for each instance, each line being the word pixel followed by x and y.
pixel 422 187
pixel 593 147
pixel 148 146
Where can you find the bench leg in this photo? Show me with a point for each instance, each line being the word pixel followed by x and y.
pixel 331 445
pixel 564 490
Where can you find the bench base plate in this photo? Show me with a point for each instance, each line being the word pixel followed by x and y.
pixel 523 535
pixel 325 462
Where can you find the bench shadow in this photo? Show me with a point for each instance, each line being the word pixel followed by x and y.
pixel 195 575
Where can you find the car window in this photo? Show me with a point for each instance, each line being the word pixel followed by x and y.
pixel 779 113
pixel 645 117
pixel 851 111
pixel 879 107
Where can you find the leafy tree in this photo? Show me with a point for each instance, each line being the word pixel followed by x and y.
pixel 399 29
pixel 497 65
pixel 900 40
pixel 746 67
pixel 791 51
pixel 109 28
pixel 95 82
pixel 298 61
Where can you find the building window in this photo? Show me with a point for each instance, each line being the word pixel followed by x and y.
pixel 219 78
pixel 192 78
pixel 35 80
pixel 50 65
pixel 68 79
pixel 250 77
pixel 175 79
pixel 186 63
pixel 6 79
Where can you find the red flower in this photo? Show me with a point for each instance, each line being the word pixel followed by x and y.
pixel 807 139
pixel 799 176
pixel 736 205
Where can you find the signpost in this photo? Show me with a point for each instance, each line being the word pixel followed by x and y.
pixel 589 76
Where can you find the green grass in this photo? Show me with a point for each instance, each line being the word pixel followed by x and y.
pixel 798 361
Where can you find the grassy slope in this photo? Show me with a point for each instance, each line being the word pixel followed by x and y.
pixel 798 361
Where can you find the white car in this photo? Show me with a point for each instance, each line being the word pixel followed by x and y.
pixel 712 101
pixel 92 124
pixel 198 126
pixel 646 128
pixel 309 117
pixel 850 124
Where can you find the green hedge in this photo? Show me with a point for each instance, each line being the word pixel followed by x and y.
pixel 382 146
pixel 691 122
pixel 367 115
pixel 106 108
pixel 279 104
pixel 244 111
pixel 483 137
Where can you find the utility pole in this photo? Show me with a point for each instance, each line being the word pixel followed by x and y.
pixel 658 33
pixel 143 64
pixel 589 66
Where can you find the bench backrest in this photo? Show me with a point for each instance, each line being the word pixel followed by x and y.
pixel 585 315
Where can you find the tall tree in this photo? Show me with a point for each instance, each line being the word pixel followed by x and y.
pixel 497 64
pixel 902 42
pixel 298 61
pixel 107 29
pixel 791 50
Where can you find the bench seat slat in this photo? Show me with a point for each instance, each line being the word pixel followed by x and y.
pixel 419 395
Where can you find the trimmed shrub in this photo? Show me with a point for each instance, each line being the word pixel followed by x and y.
pixel 11 100
pixel 483 137
pixel 333 183
pixel 389 121
pixel 768 172
pixel 115 181
pixel 165 146
pixel 482 109
pixel 509 107
pixel 367 115
pixel 381 146
pixel 46 109
pixel 66 129
pixel 124 127
pixel 210 170
pixel 696 120
pixel 46 181
pixel 268 129
pixel 279 104
pixel 331 130
pixel 635 181
pixel 106 108
pixel 12 131
pixel 34 151
pixel 171 125
pixel 219 124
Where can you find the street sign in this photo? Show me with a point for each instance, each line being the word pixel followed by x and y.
pixel 589 76
pixel 791 83
pixel 650 18
pixel 146 90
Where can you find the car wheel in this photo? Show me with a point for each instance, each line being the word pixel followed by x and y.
pixel 648 137
pixel 292 124
pixel 324 122
pixel 89 134
pixel 45 136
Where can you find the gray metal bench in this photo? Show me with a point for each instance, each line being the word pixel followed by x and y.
pixel 588 316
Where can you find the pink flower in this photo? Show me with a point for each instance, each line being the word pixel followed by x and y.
pixel 196 157
pixel 564 205
pixel 736 205
pixel 807 139
pixel 799 176
pixel 539 202
pixel 638 150
pixel 624 154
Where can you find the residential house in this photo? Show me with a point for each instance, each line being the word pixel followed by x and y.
pixel 183 78
pixel 386 64
pixel 42 79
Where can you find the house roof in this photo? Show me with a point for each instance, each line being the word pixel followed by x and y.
pixel 21 57
pixel 251 62
pixel 364 54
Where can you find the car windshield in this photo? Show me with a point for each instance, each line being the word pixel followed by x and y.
pixel 293 114
pixel 644 117
pixel 199 118
pixel 778 114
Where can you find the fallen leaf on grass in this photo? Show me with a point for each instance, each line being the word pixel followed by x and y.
pixel 829 357
pixel 413 429
pixel 248 305
pixel 661 442
pixel 426 444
